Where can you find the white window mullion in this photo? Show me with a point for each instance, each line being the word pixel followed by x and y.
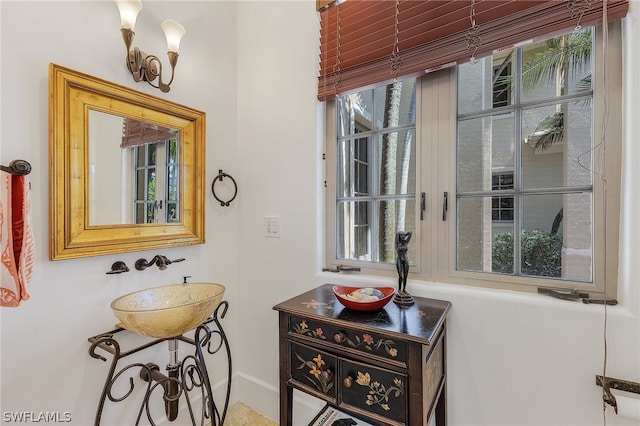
pixel 518 212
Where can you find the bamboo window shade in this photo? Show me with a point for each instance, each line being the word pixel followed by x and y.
pixel 433 34
pixel 136 132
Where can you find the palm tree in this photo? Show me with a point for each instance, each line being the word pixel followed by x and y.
pixel 568 52
pixel 388 157
pixel 392 218
pixel 549 131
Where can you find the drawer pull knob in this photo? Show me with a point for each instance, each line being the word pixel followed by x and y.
pixel 339 337
pixel 348 381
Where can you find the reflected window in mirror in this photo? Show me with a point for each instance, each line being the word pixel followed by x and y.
pixel 134 181
pixel 156 180
pixel 156 175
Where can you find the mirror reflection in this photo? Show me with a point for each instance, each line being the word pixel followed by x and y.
pixel 133 171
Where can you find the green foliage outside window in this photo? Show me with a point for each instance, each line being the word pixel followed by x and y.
pixel 540 251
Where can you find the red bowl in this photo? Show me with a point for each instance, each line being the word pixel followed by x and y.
pixel 342 292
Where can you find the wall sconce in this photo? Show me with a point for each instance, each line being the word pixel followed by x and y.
pixel 146 67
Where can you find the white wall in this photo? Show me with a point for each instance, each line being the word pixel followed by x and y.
pixel 280 157
pixel 44 358
pixel 513 359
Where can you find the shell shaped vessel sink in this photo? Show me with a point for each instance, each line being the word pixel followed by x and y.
pixel 167 311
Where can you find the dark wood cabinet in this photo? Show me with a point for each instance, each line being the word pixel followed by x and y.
pixel 387 367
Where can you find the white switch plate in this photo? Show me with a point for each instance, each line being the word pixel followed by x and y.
pixel 272 226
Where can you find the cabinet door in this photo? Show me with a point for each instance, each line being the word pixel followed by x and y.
pixel 374 390
pixel 313 371
pixel 433 374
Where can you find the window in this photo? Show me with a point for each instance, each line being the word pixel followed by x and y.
pixel 375 195
pixel 495 167
pixel 156 182
pixel 550 110
pixel 502 207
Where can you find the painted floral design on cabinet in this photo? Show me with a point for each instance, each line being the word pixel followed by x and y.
pixel 368 342
pixel 318 374
pixel 361 341
pixel 379 393
pixel 303 328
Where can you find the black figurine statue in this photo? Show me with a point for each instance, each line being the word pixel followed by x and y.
pixel 402 260
pixel 402 265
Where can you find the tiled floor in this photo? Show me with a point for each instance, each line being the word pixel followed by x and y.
pixel 241 415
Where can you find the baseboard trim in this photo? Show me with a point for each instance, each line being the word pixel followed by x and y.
pixel 265 399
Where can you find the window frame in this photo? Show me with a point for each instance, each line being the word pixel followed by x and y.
pixel 436 127
pixel 161 169
pixel 331 231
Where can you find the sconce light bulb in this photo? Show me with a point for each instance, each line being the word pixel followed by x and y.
pixel 173 31
pixel 129 10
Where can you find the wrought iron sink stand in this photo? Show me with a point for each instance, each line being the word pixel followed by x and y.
pixel 185 376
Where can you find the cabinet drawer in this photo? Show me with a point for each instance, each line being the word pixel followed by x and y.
pixel 368 343
pixel 313 370
pixel 373 390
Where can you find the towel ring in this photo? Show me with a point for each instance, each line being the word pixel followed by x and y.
pixel 221 175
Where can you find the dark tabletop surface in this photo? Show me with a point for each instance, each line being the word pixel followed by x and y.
pixel 419 322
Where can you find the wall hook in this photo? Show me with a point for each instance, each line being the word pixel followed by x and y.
pixel 609 383
pixel 221 175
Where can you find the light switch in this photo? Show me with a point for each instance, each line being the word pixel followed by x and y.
pixel 272 226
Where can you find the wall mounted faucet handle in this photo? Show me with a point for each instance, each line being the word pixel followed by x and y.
pixel 142 264
pixel 158 259
pixel 118 268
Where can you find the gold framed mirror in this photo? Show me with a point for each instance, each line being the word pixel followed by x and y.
pixel 126 169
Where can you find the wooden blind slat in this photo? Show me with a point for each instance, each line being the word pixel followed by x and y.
pixel 432 33
pixel 136 132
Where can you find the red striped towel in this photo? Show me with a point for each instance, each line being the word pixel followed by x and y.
pixel 17 247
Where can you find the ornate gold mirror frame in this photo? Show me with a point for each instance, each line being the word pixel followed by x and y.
pixel 72 95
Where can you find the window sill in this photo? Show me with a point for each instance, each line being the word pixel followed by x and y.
pixel 453 291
